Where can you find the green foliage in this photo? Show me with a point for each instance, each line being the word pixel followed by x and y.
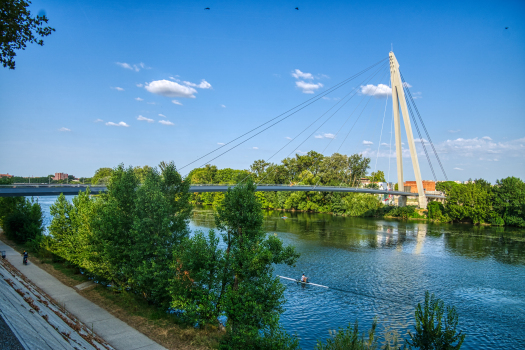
pixel 23 220
pixel 7 206
pixel 509 202
pixel 18 28
pixel 101 176
pixel 378 176
pixel 436 211
pixel 6 180
pixel 349 339
pixel 127 235
pixel 235 281
pixel 436 327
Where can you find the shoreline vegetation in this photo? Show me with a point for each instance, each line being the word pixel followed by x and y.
pixel 134 241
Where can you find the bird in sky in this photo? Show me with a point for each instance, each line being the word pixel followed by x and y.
pixel 207 8
pixel 297 8
pixel 506 27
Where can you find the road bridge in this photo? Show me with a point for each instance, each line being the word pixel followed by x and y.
pixel 55 190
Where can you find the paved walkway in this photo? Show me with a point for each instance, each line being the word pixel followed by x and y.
pixel 116 332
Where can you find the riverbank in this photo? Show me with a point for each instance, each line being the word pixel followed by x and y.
pixel 147 319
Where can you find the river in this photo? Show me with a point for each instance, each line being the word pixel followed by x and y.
pixel 382 268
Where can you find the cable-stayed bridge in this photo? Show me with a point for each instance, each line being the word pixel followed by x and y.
pixel 403 104
pixel 55 190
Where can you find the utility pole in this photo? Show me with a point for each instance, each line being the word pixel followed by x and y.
pixel 398 100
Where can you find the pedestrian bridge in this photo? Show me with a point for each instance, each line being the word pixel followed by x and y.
pixel 55 190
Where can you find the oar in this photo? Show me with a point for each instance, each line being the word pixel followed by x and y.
pixel 310 284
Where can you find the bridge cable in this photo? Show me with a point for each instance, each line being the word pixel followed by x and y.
pixel 309 136
pixel 390 151
pixel 349 131
pixel 268 127
pixel 424 127
pixel 306 139
pixel 405 88
pixel 381 135
pixel 307 102
pixel 332 139
pixel 369 99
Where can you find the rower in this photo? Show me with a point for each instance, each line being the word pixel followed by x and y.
pixel 304 279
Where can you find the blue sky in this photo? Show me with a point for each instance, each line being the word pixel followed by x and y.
pixel 232 67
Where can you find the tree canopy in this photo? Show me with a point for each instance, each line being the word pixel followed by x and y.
pixel 18 28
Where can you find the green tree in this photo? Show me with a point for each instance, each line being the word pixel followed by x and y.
pixel 101 176
pixel 7 206
pixel 18 28
pixel 509 201
pixel 436 327
pixel 25 222
pixel 137 229
pixel 378 176
pixel 235 281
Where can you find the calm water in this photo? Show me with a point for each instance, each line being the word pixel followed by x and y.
pixel 382 269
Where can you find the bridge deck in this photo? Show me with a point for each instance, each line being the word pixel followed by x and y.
pixel 55 190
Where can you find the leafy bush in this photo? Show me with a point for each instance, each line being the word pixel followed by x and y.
pixel 24 222
pixel 349 339
pixel 435 326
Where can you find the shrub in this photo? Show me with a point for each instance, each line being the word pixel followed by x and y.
pixel 25 222
pixel 349 339
pixel 435 327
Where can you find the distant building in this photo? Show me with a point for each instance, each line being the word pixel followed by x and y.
pixel 364 181
pixel 5 175
pixel 410 186
pixel 60 176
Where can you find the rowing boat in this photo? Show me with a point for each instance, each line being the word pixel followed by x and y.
pixel 308 283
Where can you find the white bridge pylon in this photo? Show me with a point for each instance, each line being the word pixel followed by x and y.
pixel 398 100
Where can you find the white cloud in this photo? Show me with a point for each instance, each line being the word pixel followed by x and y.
pixel 297 74
pixel 151 103
pixel 325 135
pixel 176 102
pixel 145 119
pixel 117 88
pixel 384 144
pixel 140 85
pixel 379 91
pixel 170 89
pixel 162 115
pixel 454 131
pixel 202 85
pixel 98 120
pixel 220 143
pixel 223 106
pixel 486 138
pixel 166 122
pixel 128 66
pixel 481 148
pixel 117 124
pixel 405 84
pixel 288 138
pixel 64 129
pixel 139 99
pixel 365 142
pixel 419 140
pixel 308 88
pixel 458 169
pixel 255 147
pixel 416 95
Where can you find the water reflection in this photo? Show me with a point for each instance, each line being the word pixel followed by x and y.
pixel 382 268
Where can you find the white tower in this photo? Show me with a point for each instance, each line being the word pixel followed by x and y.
pixel 398 100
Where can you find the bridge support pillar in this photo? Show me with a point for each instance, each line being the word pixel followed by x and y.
pixel 399 102
pixel 402 201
